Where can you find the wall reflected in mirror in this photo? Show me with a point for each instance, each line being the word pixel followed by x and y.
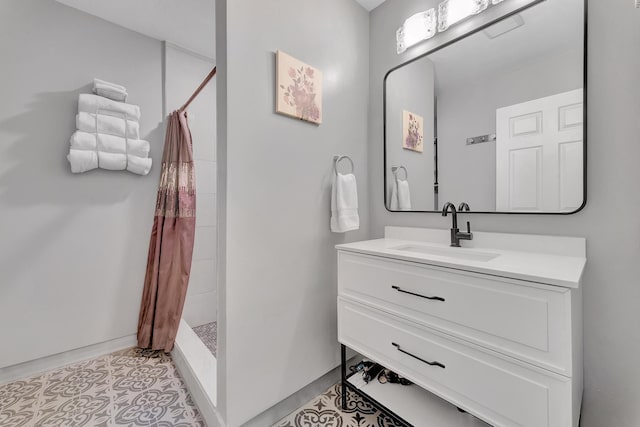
pixel 494 119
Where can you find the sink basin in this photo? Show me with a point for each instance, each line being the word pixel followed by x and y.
pixel 456 253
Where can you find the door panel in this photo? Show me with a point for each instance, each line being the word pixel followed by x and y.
pixel 539 154
pixel 571 177
pixel 525 170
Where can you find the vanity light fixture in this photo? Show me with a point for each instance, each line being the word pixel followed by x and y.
pixel 453 11
pixel 419 27
pixel 424 25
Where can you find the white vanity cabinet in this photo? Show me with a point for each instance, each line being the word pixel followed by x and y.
pixel 498 336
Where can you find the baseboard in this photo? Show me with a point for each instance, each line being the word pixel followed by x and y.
pixel 188 342
pixel 55 361
pixel 298 399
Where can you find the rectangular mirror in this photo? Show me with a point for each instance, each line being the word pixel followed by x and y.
pixel 495 119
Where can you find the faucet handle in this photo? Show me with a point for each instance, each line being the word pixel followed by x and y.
pixel 464 206
pixel 469 235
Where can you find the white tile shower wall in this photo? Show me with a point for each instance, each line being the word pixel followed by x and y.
pixel 206 210
pixel 205 174
pixel 201 273
pixel 184 72
pixel 204 248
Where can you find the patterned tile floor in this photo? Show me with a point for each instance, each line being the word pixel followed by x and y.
pixel 209 335
pixel 129 388
pixel 325 411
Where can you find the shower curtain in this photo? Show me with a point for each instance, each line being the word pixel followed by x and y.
pixel 171 245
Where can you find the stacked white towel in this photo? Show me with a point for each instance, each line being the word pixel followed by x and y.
pixel 88 103
pixel 109 144
pixel 106 124
pixel 108 136
pixel 110 90
pixel 83 161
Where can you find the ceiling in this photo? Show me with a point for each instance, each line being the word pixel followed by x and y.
pixel 187 23
pixel 370 4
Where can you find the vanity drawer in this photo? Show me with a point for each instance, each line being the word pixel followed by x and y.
pixel 497 390
pixel 529 321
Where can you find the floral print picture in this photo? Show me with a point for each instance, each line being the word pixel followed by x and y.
pixel 299 90
pixel 412 132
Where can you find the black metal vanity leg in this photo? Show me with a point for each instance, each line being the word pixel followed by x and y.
pixel 343 367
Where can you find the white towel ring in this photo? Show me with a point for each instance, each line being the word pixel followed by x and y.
pixel 395 172
pixel 337 159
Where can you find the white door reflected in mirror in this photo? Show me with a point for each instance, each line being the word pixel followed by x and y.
pixel 539 154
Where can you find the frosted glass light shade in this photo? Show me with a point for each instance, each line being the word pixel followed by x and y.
pixel 453 11
pixel 419 27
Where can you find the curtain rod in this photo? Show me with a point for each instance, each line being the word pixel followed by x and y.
pixel 197 92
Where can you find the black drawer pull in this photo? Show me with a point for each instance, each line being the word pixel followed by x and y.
pixel 416 357
pixel 418 295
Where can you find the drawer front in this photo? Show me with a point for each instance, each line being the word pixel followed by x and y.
pixel 528 321
pixel 496 390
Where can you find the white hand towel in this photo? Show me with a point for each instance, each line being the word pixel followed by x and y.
pixel 400 196
pixel 112 161
pixel 110 90
pixel 344 203
pixel 83 161
pixel 138 165
pixel 404 195
pixel 105 83
pixel 88 103
pixel 109 144
pixel 110 125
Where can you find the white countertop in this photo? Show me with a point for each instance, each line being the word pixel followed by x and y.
pixel 548 268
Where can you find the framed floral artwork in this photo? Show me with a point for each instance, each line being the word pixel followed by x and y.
pixel 299 89
pixel 412 131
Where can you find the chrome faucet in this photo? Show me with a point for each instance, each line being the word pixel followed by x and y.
pixel 456 235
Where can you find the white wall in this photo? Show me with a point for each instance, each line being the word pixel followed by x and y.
pixel 74 247
pixel 188 23
pixel 404 94
pixel 610 220
pixel 184 71
pixel 280 288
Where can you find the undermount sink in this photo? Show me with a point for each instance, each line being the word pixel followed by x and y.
pixel 448 252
